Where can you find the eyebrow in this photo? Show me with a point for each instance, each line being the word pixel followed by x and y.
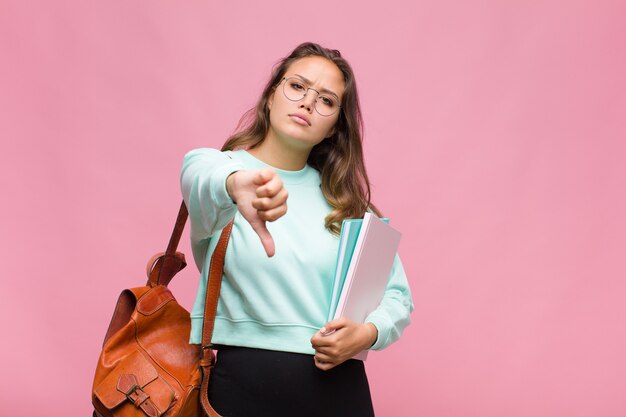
pixel 324 90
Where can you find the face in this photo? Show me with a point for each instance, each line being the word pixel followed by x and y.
pixel 297 121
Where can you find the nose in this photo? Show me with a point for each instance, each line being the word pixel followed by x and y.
pixel 309 99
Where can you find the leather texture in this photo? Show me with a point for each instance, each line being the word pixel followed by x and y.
pixel 147 366
pixel 207 361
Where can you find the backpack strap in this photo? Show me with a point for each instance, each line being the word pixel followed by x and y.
pixel 163 266
pixel 207 360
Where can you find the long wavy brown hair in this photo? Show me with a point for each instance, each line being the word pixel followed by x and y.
pixel 339 158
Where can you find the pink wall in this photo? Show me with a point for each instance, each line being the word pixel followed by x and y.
pixel 495 140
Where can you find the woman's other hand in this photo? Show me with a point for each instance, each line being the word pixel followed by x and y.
pixel 341 339
pixel 260 197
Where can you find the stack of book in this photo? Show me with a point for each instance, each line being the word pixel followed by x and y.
pixel 367 249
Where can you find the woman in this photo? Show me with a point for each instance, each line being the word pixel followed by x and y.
pixel 289 179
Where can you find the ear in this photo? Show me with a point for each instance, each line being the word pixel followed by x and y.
pixel 270 100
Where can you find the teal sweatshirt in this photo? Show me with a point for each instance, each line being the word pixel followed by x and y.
pixel 275 303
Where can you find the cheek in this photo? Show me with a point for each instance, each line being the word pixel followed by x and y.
pixel 276 104
pixel 329 127
pixel 273 116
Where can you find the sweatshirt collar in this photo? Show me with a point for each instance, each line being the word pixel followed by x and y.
pixel 305 174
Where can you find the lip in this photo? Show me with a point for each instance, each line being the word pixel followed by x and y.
pixel 300 118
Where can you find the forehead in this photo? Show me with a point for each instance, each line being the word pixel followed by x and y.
pixel 321 72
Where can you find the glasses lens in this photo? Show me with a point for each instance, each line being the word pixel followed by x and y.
pixel 326 105
pixel 294 89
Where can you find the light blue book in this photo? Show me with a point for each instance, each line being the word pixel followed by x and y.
pixel 350 229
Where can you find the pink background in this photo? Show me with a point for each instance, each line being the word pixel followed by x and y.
pixel 495 140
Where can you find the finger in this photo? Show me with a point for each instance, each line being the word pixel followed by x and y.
pixel 323 363
pixel 319 365
pixel 334 325
pixel 263 176
pixel 281 197
pixel 266 238
pixel 267 203
pixel 271 188
pixel 262 203
pixel 322 357
pixel 321 340
pixel 324 366
pixel 328 352
pixel 273 214
pixel 318 341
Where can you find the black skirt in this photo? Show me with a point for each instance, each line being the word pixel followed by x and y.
pixel 263 383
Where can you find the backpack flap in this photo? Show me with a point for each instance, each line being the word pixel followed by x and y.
pixel 135 382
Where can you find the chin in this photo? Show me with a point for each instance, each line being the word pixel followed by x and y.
pixel 296 137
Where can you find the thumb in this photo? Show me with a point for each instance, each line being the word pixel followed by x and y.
pixel 266 238
pixel 333 325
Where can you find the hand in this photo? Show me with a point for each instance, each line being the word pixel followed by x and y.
pixel 341 339
pixel 260 197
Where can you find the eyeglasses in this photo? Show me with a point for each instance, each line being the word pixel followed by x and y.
pixel 295 89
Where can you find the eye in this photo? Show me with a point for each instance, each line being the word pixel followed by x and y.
pixel 327 101
pixel 296 86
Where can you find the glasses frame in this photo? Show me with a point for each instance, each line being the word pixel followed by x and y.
pixel 307 92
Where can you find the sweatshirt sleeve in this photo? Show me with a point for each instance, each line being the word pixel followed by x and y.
pixel 203 185
pixel 394 312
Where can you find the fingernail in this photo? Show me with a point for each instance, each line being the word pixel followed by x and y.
pixel 323 330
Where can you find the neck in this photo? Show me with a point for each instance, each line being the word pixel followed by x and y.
pixel 274 152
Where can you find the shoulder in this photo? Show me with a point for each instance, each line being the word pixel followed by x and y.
pixel 208 155
pixel 207 152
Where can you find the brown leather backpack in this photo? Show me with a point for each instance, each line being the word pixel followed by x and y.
pixel 147 366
